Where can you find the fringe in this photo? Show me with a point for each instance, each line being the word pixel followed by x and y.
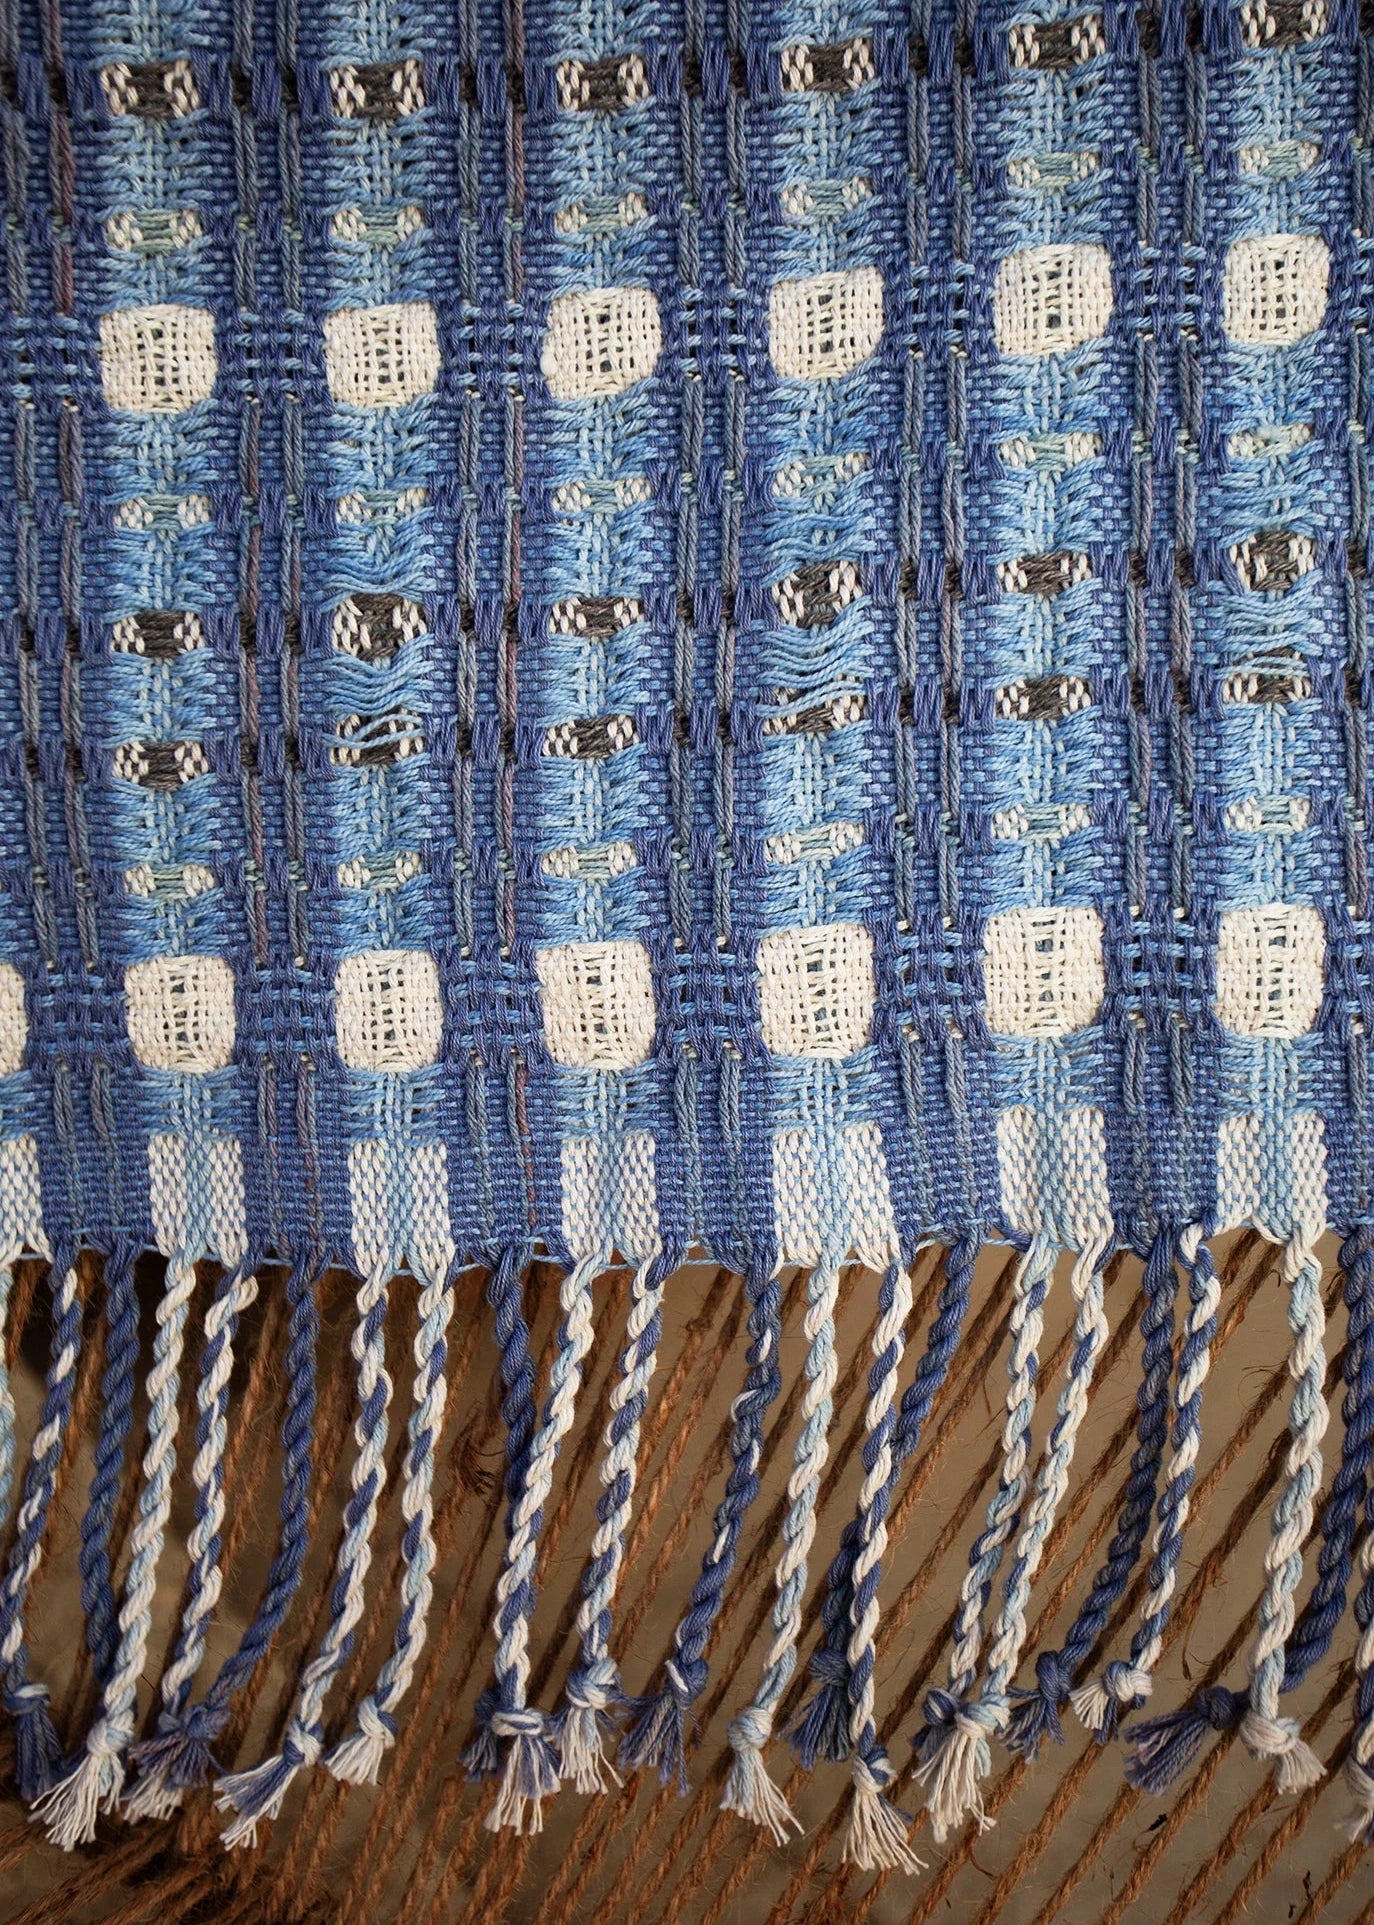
pixel 528 1752
pixel 180 1756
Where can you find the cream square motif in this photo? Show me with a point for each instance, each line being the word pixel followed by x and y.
pixel 159 359
pixel 826 325
pixel 195 1195
pixel 1270 966
pixel 1271 1172
pixel 1042 971
pixel 21 1199
pixel 1046 300
pixel 381 357
pixel 1275 288
pixel 601 340
pixel 816 990
pixel 180 1012
pixel 14 1022
pixel 598 1003
pixel 1054 1173
pixel 610 1196
pixel 831 1198
pixel 388 1012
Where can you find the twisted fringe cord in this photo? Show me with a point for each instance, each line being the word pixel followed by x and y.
pixel 656 1736
pixel 953 1748
pixel 98 1600
pixel 822 1728
pixel 1125 1685
pixel 1166 1746
pixel 179 1757
pixel 1036 1713
pixel 530 1772
pixel 593 1689
pixel 238 1288
pixel 876 1835
pixel 357 1759
pixel 36 1747
pixel 749 1790
pixel 6 1393
pixel 257 1794
pixel 1359 1413
pixel 993 1706
pixel 1263 1731
pixel 93 1784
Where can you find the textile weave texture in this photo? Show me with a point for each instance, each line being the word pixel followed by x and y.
pixel 632 632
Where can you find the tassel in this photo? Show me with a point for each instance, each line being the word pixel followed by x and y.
pixel 822 1727
pixel 656 1736
pixel 748 1788
pixel 36 1747
pixel 1163 1748
pixel 954 1750
pixel 357 1759
pixel 529 1775
pixel 179 1757
pixel 875 1838
pixel 257 1794
pixel 954 1760
pixel 582 1728
pixel 69 1810
pixel 584 1725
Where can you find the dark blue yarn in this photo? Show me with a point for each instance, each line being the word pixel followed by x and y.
pixel 36 1746
pixel 98 1598
pixel 656 1733
pixel 1035 1715
pixel 822 1726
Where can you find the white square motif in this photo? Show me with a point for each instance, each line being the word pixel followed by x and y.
pixel 1270 966
pixel 826 325
pixel 598 1003
pixel 816 990
pixel 601 340
pixel 381 357
pixel 1275 288
pixel 388 1012
pixel 14 1023
pixel 159 359
pixel 180 1012
pixel 1046 300
pixel 1042 971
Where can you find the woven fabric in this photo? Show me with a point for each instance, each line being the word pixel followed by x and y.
pixel 626 632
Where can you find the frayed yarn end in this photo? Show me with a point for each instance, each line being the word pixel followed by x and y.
pixel 1164 1747
pixel 580 1735
pixel 530 1774
pixel 257 1795
pixel 1296 1765
pixel 821 1729
pixel 70 1810
pixel 954 1760
pixel 656 1739
pixel 875 1837
pixel 749 1790
pixel 1358 1825
pixel 1034 1715
pixel 37 1748
pixel 168 1765
pixel 358 1758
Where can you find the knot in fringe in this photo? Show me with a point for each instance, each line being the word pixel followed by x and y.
pixel 512 1722
pixel 593 1687
pixel 687 1679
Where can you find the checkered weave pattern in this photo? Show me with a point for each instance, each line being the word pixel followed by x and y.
pixel 633 629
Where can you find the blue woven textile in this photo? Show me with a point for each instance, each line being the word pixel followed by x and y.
pixel 631 630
